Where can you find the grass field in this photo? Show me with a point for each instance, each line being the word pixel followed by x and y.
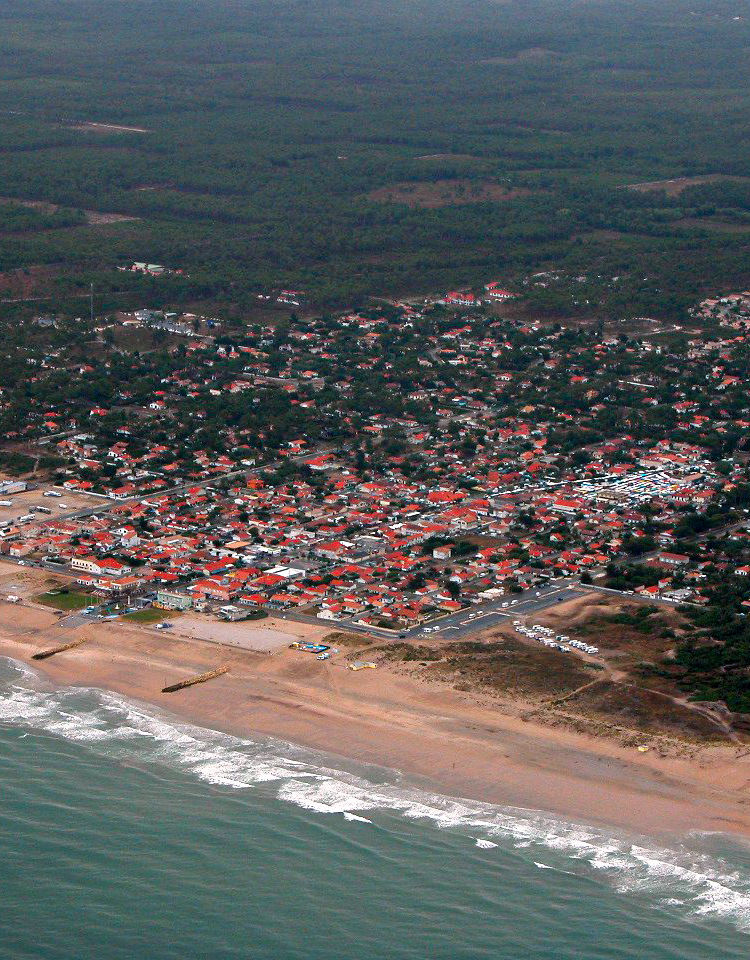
pixel 70 600
pixel 150 616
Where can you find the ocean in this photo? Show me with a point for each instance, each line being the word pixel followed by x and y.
pixel 125 833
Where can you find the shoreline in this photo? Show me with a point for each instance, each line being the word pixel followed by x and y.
pixel 440 740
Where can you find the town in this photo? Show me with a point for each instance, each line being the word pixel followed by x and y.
pixel 416 466
pixel 375 480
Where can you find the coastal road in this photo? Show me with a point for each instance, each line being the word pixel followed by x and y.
pixel 463 623
pixel 484 617
pixel 466 622
pixel 637 597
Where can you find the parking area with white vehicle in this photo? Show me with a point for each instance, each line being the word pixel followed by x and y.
pixel 33 506
pixel 557 641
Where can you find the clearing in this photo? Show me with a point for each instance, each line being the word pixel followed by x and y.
pixel 444 193
pixel 30 282
pixel 712 225
pixel 94 218
pixel 673 188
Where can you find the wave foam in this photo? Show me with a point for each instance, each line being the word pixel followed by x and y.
pixel 705 885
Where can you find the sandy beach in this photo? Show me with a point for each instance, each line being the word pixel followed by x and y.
pixel 453 742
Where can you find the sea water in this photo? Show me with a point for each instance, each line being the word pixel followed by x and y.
pixel 125 834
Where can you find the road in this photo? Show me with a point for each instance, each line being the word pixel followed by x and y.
pixel 637 597
pixel 106 504
pixel 464 622
pixel 493 615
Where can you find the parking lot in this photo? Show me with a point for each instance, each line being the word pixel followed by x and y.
pixel 467 621
pixel 13 506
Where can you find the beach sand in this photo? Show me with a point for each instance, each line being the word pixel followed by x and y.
pixel 457 743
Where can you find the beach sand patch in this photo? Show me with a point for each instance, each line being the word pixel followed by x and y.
pixel 265 636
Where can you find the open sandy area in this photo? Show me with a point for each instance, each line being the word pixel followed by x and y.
pixel 27 582
pixel 674 187
pixel 262 636
pixel 22 503
pixel 464 744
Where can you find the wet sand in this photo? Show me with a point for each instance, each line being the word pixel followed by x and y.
pixel 462 744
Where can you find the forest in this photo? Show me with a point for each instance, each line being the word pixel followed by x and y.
pixel 377 148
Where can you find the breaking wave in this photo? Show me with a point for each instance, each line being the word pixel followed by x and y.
pixel 699 883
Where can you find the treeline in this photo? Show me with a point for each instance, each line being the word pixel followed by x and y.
pixel 261 131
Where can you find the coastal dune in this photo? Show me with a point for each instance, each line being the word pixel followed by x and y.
pixel 439 738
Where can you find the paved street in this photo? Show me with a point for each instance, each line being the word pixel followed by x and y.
pixel 471 620
pixel 463 623
pixel 637 597
pixel 106 504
